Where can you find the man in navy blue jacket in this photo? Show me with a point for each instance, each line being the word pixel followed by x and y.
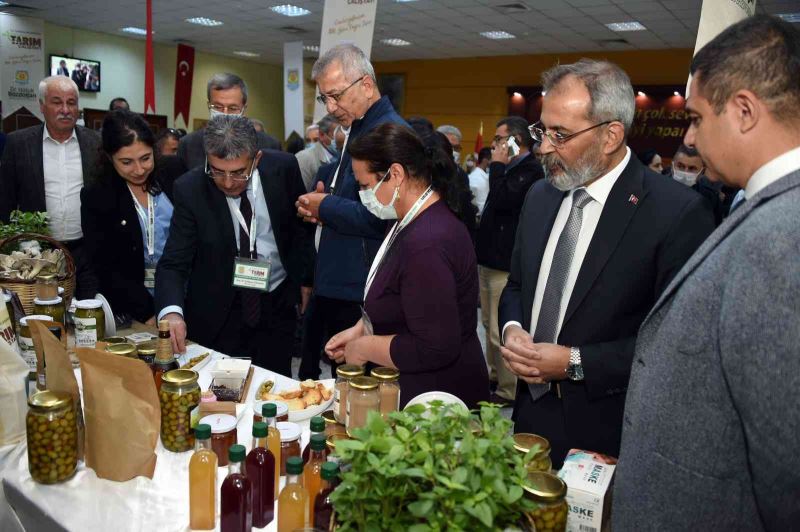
pixel 348 235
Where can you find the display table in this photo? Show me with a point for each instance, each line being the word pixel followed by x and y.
pixel 87 503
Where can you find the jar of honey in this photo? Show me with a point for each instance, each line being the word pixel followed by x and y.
pixel 343 375
pixel 388 389
pixel 331 425
pixel 362 398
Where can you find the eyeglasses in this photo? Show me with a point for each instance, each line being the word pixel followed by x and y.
pixel 557 139
pixel 241 175
pixel 226 109
pixel 336 96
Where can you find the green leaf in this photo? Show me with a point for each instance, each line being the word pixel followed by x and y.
pixel 419 528
pixel 350 445
pixel 420 508
pixel 412 472
pixel 482 512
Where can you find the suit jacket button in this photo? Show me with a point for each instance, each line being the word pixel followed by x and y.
pixel 123 222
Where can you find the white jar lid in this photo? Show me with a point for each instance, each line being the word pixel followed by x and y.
pixel 24 321
pixel 89 304
pixel 60 290
pixel 280 406
pixel 54 301
pixel 289 431
pixel 220 423
pixel 6 296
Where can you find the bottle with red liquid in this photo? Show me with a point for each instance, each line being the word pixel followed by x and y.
pixel 317 427
pixel 324 518
pixel 260 466
pixel 236 512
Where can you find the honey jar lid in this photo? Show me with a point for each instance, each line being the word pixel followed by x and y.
pixel 219 423
pixel 333 438
pixel 24 321
pixel 329 417
pixel 54 301
pixel 89 304
pixel 545 487
pixel 126 349
pixel 179 377
pixel 47 400
pixel 523 442
pixel 385 374
pixel 115 340
pixel 350 370
pixel 364 383
pixel 147 348
pixel 163 325
pixel 289 431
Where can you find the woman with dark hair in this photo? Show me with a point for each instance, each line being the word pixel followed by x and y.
pixel 652 160
pixel 125 217
pixel 420 308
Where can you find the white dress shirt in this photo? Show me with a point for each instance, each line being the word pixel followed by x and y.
pixel 63 180
pixel 479 185
pixel 599 191
pixel 772 171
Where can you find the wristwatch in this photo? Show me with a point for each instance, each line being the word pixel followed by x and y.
pixel 575 368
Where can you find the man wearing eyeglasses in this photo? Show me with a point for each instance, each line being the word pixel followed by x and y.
pixel 237 255
pixel 598 241
pixel 347 235
pixel 227 95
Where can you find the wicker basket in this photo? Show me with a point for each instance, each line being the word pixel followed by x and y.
pixel 26 290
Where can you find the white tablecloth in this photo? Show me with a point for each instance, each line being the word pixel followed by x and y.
pixel 87 503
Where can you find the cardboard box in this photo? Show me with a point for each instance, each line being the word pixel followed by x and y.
pixel 589 479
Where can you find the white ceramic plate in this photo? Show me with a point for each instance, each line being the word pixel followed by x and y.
pixel 111 325
pixel 308 413
pixel 427 397
pixel 191 353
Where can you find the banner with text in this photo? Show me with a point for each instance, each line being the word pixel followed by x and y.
pixel 23 67
pixel 292 88
pixel 351 21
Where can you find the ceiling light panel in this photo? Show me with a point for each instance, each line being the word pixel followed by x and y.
pixel 203 21
pixel 395 42
pixel 497 35
pixel 289 10
pixel 625 26
pixel 135 31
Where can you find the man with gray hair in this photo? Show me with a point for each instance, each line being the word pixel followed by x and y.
pixel 237 255
pixel 44 168
pixel 598 240
pixel 227 95
pixel 319 153
pixel 453 135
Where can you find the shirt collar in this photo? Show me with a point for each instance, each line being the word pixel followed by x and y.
pixel 601 188
pixel 46 135
pixel 772 171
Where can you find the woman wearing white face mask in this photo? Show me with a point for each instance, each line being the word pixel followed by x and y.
pixel 422 289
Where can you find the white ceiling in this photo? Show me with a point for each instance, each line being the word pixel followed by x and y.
pixel 436 28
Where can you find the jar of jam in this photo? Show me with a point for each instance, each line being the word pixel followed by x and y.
pixel 362 398
pixel 52 430
pixel 388 389
pixel 283 411
pixel 331 425
pixel 548 492
pixel 179 395
pixel 90 322
pixel 290 442
pixel 125 349
pixel 343 375
pixel 540 459
pixel 223 435
pixel 50 307
pixel 147 352
pixel 26 341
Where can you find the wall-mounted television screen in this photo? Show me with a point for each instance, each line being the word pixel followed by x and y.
pixel 84 72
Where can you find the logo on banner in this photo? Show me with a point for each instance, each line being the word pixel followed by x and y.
pixel 21 77
pixel 293 79
pixel 23 41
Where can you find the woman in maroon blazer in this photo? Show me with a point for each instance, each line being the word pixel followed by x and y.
pixel 422 290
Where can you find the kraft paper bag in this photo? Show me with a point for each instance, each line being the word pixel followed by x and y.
pixel 13 386
pixel 123 415
pixel 52 358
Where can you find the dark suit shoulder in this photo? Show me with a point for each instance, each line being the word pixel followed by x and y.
pixel 668 193
pixel 191 183
pixel 279 158
pixel 25 133
pixel 85 132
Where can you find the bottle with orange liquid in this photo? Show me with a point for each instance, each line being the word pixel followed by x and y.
pixel 268 412
pixel 293 501
pixel 311 471
pixel 202 481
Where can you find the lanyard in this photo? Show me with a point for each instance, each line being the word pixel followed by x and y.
pixel 336 175
pixel 390 238
pixel 251 230
pixel 149 219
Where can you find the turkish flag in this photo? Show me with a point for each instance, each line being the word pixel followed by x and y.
pixel 149 72
pixel 183 82
pixel 479 139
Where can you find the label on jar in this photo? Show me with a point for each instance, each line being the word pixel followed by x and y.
pixel 194 417
pixel 85 332
pixel 28 352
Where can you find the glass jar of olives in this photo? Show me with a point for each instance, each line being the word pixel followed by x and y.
pixel 90 322
pixel 548 492
pixel 179 395
pixel 50 307
pixel 52 437
pixel 540 459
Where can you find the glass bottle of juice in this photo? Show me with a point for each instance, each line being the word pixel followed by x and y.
pixel 236 511
pixel 202 481
pixel 323 508
pixel 268 412
pixel 317 427
pixel 293 501
pixel 260 466
pixel 311 471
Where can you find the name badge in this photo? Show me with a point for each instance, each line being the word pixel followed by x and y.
pixel 149 277
pixel 251 274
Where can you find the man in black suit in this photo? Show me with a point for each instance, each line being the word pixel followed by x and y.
pixel 44 168
pixel 598 241
pixel 236 254
pixel 227 95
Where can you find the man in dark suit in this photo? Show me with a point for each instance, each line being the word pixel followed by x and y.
pixel 713 408
pixel 227 95
pixel 44 168
pixel 236 255
pixel 598 241
pixel 62 68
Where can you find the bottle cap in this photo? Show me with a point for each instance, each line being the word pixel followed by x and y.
pixel 317 442
pixel 202 431
pixel 259 429
pixel 236 453
pixel 163 325
pixel 317 424
pixel 330 470
pixel 269 410
pixel 294 464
